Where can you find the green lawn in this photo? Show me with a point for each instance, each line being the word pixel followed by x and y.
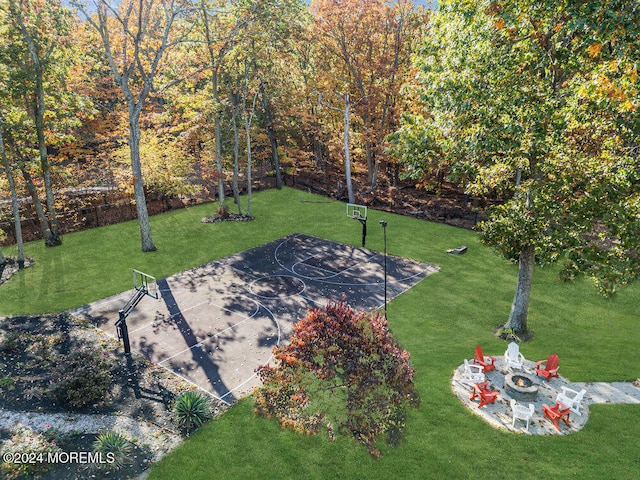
pixel 439 321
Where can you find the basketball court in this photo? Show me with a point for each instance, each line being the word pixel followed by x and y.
pixel 215 324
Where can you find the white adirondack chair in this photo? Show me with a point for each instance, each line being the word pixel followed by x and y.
pixel 513 358
pixel 472 373
pixel 520 412
pixel 571 399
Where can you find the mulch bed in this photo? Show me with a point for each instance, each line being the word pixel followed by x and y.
pixel 81 442
pixel 32 348
pixel 12 266
pixel 229 217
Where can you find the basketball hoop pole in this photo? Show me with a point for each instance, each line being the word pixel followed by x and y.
pixel 363 221
pixel 384 228
pixel 121 324
pixel 359 212
pixel 123 332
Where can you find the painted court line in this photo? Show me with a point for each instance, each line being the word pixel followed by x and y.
pixel 331 273
pixel 146 325
pixel 200 344
pixel 254 375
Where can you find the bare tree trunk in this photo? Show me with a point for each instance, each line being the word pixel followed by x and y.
pixel 248 117
pixel 376 171
pixel 347 153
pixel 52 235
pixel 316 142
pixel 271 133
pixel 138 185
pixel 520 306
pixel 249 179
pixel 14 203
pixel 368 150
pixel 217 134
pixel 236 151
pixel 31 188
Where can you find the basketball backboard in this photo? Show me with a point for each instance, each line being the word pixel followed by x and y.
pixel 142 281
pixel 357 212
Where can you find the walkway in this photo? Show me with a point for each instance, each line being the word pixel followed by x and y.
pixel 499 415
pixel 612 392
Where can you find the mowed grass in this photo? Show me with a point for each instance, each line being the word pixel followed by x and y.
pixel 439 321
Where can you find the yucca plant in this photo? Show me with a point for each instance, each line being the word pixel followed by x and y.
pixel 191 409
pixel 115 449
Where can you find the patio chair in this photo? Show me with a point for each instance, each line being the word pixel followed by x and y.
pixel 484 394
pixel 548 368
pixel 472 373
pixel 571 399
pixel 489 363
pixel 520 412
pixel 556 413
pixel 513 358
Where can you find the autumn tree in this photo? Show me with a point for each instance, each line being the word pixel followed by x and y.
pixel 279 24
pixel 364 48
pixel 536 104
pixel 345 110
pixel 135 37
pixel 8 169
pixel 343 371
pixel 40 31
pixel 217 28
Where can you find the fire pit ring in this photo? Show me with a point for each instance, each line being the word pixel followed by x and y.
pixel 521 386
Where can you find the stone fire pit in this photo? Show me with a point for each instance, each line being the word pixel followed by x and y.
pixel 521 386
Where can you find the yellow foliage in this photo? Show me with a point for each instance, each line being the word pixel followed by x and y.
pixel 594 49
pixel 615 93
pixel 166 167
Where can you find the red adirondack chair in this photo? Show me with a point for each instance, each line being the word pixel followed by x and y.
pixel 548 368
pixel 482 392
pixel 556 413
pixel 487 362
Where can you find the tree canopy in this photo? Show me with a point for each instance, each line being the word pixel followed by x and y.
pixel 534 104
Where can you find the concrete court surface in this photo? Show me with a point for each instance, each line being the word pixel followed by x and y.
pixel 213 325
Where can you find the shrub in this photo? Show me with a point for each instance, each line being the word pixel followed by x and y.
pixel 83 377
pixel 115 449
pixel 191 409
pixel 341 369
pixel 32 449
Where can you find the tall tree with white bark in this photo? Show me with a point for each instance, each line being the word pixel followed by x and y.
pixel 136 36
pixel 40 31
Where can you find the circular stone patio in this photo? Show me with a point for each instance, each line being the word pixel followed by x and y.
pixel 499 414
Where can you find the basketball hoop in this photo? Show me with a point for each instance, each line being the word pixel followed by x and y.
pixel 359 212
pixel 143 285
